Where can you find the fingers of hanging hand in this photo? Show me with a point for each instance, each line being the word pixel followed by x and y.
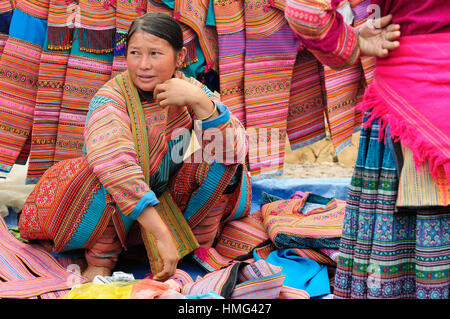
pixel 390 37
pixel 383 21
pixel 169 268
pixel 390 45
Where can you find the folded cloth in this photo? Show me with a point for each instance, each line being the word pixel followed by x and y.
pixel 301 273
pixel 257 280
pixel 311 221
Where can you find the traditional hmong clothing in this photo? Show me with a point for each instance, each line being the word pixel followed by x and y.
pixel 255 40
pixel 77 201
pixel 75 47
pixel 395 238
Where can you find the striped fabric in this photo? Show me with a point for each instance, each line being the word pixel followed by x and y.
pixel 332 41
pixel 126 12
pixel 360 10
pixel 239 237
pixel 7 6
pixel 105 251
pixel 183 236
pixel 230 25
pixel 193 14
pixel 28 272
pixel 51 211
pixel 315 22
pixel 316 254
pixel 306 121
pixel 271 50
pixel 258 269
pixel 343 92
pixel 182 277
pixel 52 71
pixel 19 68
pixel 293 293
pixel 221 281
pixel 97 23
pixel 291 223
pixel 85 75
pixel 417 188
pixel 385 253
pixel 257 280
pixel 34 8
pixel 50 84
pixel 206 231
pixel 210 259
pixel 268 287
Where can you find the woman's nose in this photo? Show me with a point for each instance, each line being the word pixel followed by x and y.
pixel 145 62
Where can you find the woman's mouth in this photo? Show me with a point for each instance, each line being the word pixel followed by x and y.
pixel 146 78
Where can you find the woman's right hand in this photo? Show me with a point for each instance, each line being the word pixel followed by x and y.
pixel 169 258
pixel 377 37
pixel 167 250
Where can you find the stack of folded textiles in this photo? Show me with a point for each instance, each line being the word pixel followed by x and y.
pixel 287 249
pixel 300 236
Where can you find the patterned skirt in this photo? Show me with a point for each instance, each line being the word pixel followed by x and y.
pixel 385 253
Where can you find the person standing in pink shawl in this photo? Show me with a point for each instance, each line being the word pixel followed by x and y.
pixel 396 234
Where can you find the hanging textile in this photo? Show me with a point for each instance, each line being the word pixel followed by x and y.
pixel 19 68
pixel 271 51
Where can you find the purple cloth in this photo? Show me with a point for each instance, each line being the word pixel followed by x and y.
pixel 417 17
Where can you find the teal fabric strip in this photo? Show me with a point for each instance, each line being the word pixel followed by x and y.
pixel 149 199
pixel 242 199
pixel 27 28
pixel 211 16
pixel 194 69
pixel 90 220
pixel 224 116
pixel 205 191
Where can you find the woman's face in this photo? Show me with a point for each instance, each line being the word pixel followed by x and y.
pixel 151 60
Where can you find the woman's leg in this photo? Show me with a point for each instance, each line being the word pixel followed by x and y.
pixel 102 257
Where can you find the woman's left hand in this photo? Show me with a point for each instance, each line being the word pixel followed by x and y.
pixel 180 92
pixel 378 36
pixel 177 92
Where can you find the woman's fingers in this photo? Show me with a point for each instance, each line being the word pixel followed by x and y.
pixel 169 268
pixel 390 45
pixel 390 36
pixel 383 21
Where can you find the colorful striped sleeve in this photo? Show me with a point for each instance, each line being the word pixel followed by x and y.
pixel 323 31
pixel 111 153
pixel 223 138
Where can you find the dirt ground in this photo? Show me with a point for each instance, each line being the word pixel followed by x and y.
pixel 320 160
pixel 316 170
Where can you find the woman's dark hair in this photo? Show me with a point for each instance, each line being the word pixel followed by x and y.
pixel 161 25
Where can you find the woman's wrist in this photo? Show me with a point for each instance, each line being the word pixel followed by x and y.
pixel 152 222
pixel 204 108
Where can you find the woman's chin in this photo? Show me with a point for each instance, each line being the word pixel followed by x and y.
pixel 149 87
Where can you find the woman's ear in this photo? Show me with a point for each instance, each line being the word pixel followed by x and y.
pixel 181 55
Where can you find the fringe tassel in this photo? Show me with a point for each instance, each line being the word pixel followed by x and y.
pixel 191 55
pixel 97 41
pixel 400 130
pixel 59 38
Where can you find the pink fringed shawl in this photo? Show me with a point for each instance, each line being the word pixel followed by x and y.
pixel 411 93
